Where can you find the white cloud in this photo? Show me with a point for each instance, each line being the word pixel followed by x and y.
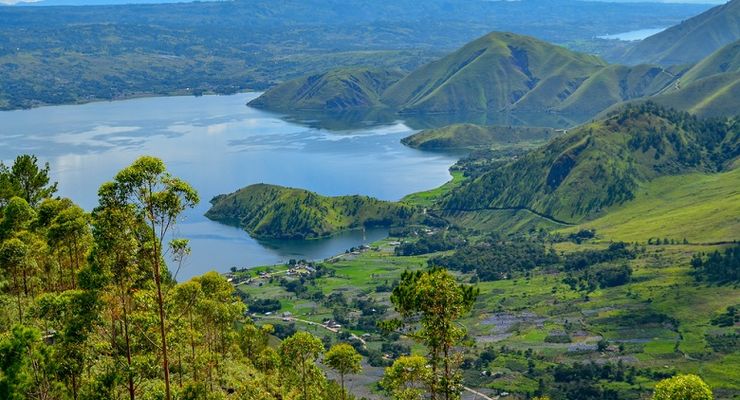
pixel 12 2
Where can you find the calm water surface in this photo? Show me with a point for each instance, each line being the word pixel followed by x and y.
pixel 219 145
pixel 635 35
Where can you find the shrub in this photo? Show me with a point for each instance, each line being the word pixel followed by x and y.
pixel 682 387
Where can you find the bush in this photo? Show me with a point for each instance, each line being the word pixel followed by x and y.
pixel 682 387
pixel 264 305
pixel 495 260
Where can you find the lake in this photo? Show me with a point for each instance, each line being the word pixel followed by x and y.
pixel 218 144
pixel 635 35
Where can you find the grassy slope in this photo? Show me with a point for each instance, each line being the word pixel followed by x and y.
pixel 278 212
pixel 340 89
pixel 591 168
pixel 698 207
pixel 691 40
pixel 714 96
pixel 491 74
pixel 428 197
pixel 470 136
pixel 615 84
pixel 726 59
pixel 711 88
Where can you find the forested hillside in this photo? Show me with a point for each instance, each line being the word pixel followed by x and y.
pixel 278 212
pixel 601 164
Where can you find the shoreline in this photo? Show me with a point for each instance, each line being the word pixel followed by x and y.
pixel 178 93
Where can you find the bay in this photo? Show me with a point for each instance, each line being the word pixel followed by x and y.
pixel 218 144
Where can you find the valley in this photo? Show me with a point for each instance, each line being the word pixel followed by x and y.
pixel 349 200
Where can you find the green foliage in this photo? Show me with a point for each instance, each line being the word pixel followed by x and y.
pixel 277 212
pixel 682 387
pixel 298 354
pixel 497 259
pixel 718 267
pixel 407 379
pixel 429 243
pixel 344 359
pixel 600 165
pixel 437 301
pixel 27 366
pixel 26 180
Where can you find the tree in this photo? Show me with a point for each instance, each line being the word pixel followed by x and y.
pixel 13 259
pixel 409 378
pixel 298 355
pixel 27 366
pixel 682 387
pixel 160 198
pixel 115 229
pixel 343 359
pixel 219 311
pixel 437 301
pixel 26 180
pixel 17 216
pixel 70 230
pixel 74 314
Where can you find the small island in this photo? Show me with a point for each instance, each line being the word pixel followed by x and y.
pixel 277 212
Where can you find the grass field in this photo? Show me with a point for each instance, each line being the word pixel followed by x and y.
pixel 661 318
pixel 701 208
pixel 427 198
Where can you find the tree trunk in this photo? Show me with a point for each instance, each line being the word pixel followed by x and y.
pixel 131 390
pixel 160 299
pixel 18 298
pixel 341 378
pixel 71 268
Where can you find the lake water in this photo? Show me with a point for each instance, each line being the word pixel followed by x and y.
pixel 218 145
pixel 635 35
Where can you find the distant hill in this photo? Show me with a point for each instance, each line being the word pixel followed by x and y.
pixel 711 88
pixel 715 96
pixel 601 164
pixel 689 41
pixel 471 136
pixel 336 90
pixel 613 85
pixel 270 211
pixel 190 48
pixel 726 59
pixel 499 73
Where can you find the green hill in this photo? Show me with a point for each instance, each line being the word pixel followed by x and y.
pixel 499 71
pixel 471 136
pixel 689 41
pixel 500 74
pixel 715 96
pixel 698 207
pixel 615 84
pixel 269 211
pixel 711 88
pixel 336 90
pixel 726 59
pixel 601 164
